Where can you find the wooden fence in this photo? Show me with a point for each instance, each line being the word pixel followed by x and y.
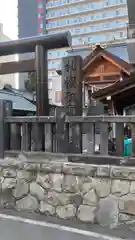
pixel 58 133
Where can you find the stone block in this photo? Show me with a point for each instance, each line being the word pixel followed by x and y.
pixel 46 208
pixel 102 187
pixel 72 184
pixel 44 180
pixel 132 188
pixel 124 217
pixel 127 204
pixel 86 187
pixel 58 199
pixel 8 183
pixel 86 213
pixel 56 182
pixel 76 200
pixel 120 187
pixel 51 167
pixel 103 171
pixel 29 203
pixel 79 169
pixel 32 167
pixel 90 198
pixel 8 172
pixel 107 213
pixel 125 173
pixel 28 176
pixel 6 199
pixel 66 212
pixel 21 189
pixel 37 191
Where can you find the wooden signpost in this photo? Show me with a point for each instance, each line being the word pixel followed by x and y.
pixel 72 98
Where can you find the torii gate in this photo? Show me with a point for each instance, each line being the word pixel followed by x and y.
pixel 39 45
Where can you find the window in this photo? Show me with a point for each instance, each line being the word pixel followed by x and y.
pixel 49 54
pixel 117 12
pixel 104 15
pixel 107 3
pixel 106 25
pixel 89 39
pixel 41 25
pixel 50 84
pixel 121 34
pixel 58 96
pixel 40 5
pixel 77 30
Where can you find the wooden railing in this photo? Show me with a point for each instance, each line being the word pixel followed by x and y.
pixel 60 133
pixel 104 122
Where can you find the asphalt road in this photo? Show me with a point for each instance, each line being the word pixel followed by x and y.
pixel 17 230
pixel 31 226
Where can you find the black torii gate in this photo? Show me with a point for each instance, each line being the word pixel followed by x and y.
pixel 39 45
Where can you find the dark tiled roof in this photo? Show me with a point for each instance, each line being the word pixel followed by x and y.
pixel 103 52
pixel 117 50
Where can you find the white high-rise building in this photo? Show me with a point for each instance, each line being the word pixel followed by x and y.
pixel 89 21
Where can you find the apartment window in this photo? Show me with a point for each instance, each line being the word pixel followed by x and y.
pixel 58 96
pixel 104 15
pixel 50 84
pixel 50 95
pixel 106 25
pixel 40 5
pixel 117 12
pixel 92 17
pixel 92 6
pixel 41 25
pixel 107 3
pixel 49 54
pixel 77 30
pixel 121 34
pixel 53 73
pixel 89 39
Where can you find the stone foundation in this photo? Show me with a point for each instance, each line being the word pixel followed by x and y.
pixel 89 193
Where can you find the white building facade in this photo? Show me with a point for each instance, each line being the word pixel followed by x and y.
pixel 9 78
pixel 89 21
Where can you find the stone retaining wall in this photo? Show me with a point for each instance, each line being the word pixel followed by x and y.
pixel 89 193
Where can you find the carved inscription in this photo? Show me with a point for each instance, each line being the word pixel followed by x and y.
pixel 72 98
pixel 69 84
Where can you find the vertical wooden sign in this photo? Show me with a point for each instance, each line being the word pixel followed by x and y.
pixel 72 97
pixel 72 85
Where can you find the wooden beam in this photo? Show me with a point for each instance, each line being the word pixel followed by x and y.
pixel 105 74
pixel 27 45
pixel 127 94
pixel 117 65
pixel 98 82
pixel 17 67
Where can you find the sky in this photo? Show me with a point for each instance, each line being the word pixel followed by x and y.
pixel 8 16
